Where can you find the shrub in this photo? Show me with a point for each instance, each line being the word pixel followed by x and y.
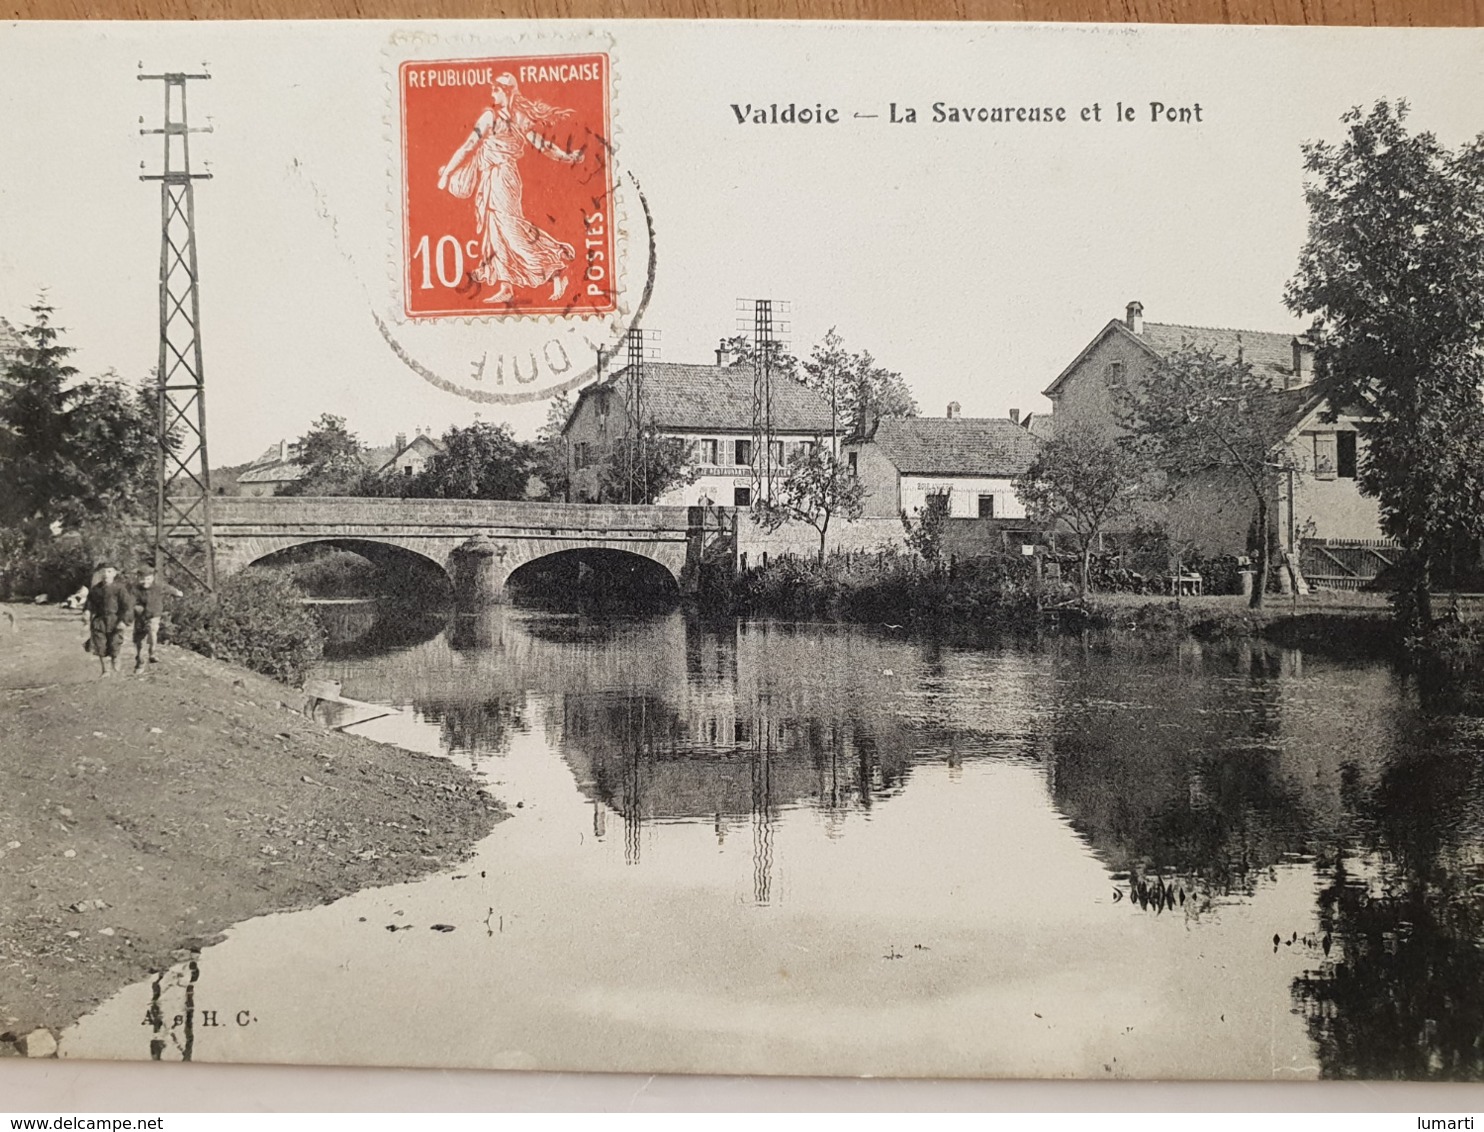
pixel 258 620
pixel 38 562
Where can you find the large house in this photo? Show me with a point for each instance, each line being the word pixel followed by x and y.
pixel 971 462
pixel 708 406
pixel 1319 499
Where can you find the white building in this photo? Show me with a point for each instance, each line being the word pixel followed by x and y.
pixel 973 461
pixel 710 407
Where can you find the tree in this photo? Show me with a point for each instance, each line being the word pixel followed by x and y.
pixel 69 450
pixel 551 448
pixel 1197 417
pixel 481 461
pixel 925 533
pixel 1393 272
pixel 816 488
pixel 116 426
pixel 742 349
pixel 640 469
pixel 1084 481
pixel 858 389
pixel 330 455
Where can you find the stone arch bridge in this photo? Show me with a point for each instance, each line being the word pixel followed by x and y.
pixel 477 543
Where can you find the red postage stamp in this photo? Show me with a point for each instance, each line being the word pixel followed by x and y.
pixel 507 187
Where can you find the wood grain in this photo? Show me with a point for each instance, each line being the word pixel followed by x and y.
pixel 1403 13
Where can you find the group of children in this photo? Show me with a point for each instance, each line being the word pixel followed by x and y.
pixel 112 606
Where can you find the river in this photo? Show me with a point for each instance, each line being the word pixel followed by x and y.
pixel 837 849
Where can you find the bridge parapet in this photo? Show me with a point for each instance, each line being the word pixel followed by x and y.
pixel 491 513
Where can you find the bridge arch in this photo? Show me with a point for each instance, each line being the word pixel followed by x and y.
pixel 412 563
pixel 595 573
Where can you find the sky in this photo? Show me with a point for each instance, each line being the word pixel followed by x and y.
pixel 976 258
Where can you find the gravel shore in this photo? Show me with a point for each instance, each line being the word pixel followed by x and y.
pixel 142 815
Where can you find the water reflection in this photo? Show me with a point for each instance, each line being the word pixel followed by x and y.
pixel 1199 776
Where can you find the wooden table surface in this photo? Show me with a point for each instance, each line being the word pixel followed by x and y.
pixel 1406 13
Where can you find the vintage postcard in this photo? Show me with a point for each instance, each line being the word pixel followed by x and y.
pixel 745 548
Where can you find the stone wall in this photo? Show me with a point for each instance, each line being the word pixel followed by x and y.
pixel 803 540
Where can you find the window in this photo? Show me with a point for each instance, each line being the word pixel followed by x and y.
pixel 582 454
pixel 1114 371
pixel 1324 455
pixel 853 459
pixel 708 452
pixel 939 501
pixel 986 506
pixel 742 497
pixel 1345 455
pixel 776 448
pixel 744 453
pixel 407 469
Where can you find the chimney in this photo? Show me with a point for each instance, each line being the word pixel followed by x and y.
pixel 1014 416
pixel 283 450
pixel 1303 359
pixel 723 355
pixel 954 408
pixel 1133 317
pixel 401 441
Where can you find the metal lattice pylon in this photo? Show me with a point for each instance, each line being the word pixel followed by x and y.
pixel 183 476
pixel 643 347
pixel 769 337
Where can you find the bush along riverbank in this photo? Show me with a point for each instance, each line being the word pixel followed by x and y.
pixel 143 815
pixel 1007 595
pixel 892 588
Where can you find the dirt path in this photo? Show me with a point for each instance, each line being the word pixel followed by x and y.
pixel 142 815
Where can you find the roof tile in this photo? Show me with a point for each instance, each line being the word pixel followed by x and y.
pixel 956 446
pixel 701 397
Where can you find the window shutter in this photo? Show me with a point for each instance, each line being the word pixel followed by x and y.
pixel 1324 455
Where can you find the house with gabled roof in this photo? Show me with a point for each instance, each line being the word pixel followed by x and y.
pixel 1319 500
pixel 971 463
pixel 710 407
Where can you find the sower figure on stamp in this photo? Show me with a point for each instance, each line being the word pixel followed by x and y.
pixel 149 605
pixel 513 251
pixel 110 609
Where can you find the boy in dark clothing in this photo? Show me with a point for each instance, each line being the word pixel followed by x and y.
pixel 149 605
pixel 110 607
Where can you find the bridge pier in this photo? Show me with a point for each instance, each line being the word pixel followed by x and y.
pixel 478 573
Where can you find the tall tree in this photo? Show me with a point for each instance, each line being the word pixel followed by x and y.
pixel 1393 272
pixel 330 455
pixel 1084 481
pixel 69 449
pixel 480 461
pixel 861 391
pixel 1201 419
pixel 40 466
pixel 816 488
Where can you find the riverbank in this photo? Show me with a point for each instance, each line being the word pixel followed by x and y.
pixel 140 816
pixel 998 597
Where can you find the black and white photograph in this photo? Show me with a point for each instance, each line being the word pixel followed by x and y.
pixel 744 548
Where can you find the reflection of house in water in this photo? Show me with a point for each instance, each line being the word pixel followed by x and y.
pixel 735 742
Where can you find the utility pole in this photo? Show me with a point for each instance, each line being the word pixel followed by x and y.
pixel 643 347
pixel 768 336
pixel 183 476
